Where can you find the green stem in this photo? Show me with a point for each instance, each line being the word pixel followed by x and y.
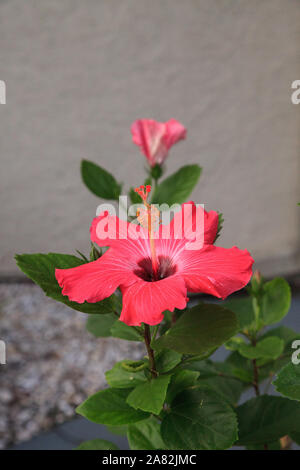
pixel 255 378
pixel 255 372
pixel 147 337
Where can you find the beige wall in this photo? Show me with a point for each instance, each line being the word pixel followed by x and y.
pixel 79 72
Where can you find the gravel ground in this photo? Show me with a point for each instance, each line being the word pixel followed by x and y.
pixel 52 362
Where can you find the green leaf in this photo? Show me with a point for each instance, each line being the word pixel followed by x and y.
pixel 276 301
pixel 200 357
pixel 210 368
pixel 219 376
pixel 199 329
pixel 84 258
pixel 123 331
pixel 230 389
pixel 109 407
pixel 220 225
pixel 99 181
pixel 234 343
pixel 131 365
pixel 268 348
pixel 134 197
pixel 243 310
pixel 166 360
pixel 199 419
pixel 288 336
pixel 241 367
pixel 118 430
pixel 100 325
pixel 267 418
pixel 118 377
pixel 288 381
pixel 41 269
pixel 95 253
pixel 180 381
pixel 177 187
pixel 97 444
pixel 151 395
pixel 145 435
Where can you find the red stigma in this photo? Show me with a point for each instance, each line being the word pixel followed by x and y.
pixel 143 192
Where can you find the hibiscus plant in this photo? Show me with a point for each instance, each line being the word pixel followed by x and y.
pixel 135 285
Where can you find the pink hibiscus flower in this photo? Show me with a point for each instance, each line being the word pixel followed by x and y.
pixel 155 138
pixel 155 275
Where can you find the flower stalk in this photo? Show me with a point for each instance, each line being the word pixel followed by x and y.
pixel 147 337
pixel 255 372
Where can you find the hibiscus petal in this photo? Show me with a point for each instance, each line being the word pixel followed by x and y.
pixel 211 222
pixel 131 240
pixel 95 281
pixel 189 225
pixel 192 218
pixel 155 138
pixel 146 301
pixel 106 229
pixel 215 270
pixel 175 131
pixel 148 135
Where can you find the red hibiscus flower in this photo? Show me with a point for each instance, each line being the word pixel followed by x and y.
pixel 155 274
pixel 155 138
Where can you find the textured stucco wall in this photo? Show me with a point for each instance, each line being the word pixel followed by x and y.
pixel 78 73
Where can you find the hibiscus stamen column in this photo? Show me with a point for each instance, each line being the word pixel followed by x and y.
pixel 149 219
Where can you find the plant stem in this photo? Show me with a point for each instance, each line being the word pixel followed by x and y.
pixel 255 371
pixel 147 337
pixel 255 381
pixel 255 377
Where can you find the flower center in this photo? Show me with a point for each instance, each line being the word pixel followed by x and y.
pixel 165 268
